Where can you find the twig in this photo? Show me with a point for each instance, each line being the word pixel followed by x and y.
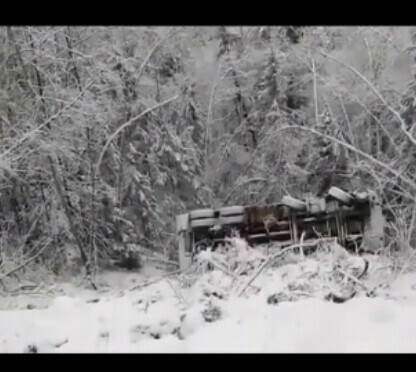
pixel 176 291
pixel 302 237
pixel 46 122
pixel 353 149
pixel 156 280
pixel 125 125
pixel 377 93
pixel 265 265
pixel 26 262
pixel 140 70
pixel 219 267
pixel 407 264
pixel 59 344
pixel 356 279
pixel 18 293
pixel 155 259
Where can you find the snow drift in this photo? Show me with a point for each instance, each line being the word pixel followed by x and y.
pixel 284 308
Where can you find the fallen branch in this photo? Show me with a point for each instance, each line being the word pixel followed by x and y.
pixel 219 267
pixel 155 259
pixel 17 292
pixel 142 285
pixel 356 280
pixel 176 272
pixel 59 344
pixel 268 262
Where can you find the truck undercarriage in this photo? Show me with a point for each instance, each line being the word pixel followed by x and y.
pixel 354 219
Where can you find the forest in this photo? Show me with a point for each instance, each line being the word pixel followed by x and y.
pixel 107 133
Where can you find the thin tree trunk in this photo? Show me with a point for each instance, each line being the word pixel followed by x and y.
pixel 240 102
pixel 72 226
pixel 60 185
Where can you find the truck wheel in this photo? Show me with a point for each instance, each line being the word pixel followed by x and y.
pixel 340 195
pixel 293 203
pixel 361 197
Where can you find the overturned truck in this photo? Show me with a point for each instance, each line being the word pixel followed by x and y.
pixel 354 219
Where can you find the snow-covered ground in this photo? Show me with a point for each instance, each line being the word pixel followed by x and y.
pixel 201 316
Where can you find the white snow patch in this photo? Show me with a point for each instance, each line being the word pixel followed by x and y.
pixel 168 317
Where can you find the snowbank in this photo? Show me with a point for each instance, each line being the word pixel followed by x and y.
pixel 205 313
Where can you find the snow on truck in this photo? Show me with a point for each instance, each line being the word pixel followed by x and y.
pixel 354 219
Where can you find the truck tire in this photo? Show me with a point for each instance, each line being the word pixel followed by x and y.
pixel 361 197
pixel 297 205
pixel 340 195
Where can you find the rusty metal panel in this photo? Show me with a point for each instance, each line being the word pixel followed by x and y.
pixel 269 214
